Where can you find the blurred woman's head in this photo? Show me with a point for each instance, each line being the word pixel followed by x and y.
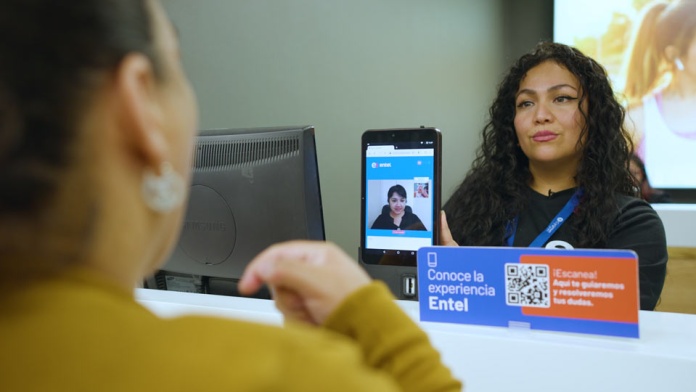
pixel 662 46
pixel 637 169
pixel 642 182
pixel 92 97
pixel 675 29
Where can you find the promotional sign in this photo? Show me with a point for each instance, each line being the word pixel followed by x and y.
pixel 583 291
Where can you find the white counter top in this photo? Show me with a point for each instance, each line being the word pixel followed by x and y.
pixel 501 359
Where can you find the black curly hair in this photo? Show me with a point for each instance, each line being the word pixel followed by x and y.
pixel 496 187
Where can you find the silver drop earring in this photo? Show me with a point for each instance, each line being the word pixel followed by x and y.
pixel 678 63
pixel 163 192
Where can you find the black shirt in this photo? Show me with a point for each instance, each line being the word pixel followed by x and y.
pixel 636 226
pixel 409 221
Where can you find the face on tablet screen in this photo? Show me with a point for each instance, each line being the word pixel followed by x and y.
pixel 399 195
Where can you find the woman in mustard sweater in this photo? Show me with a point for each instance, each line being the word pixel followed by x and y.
pixel 97 121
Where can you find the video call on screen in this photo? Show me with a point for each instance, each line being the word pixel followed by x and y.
pixel 411 165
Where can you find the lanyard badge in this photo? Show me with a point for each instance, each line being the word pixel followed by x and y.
pixel 553 226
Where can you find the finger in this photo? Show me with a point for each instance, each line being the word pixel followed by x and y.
pixel 296 275
pixel 292 307
pixel 319 273
pixel 287 299
pixel 295 282
pixel 264 267
pixel 250 282
pixel 445 233
pixel 255 273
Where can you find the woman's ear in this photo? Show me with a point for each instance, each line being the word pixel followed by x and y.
pixel 671 52
pixel 140 112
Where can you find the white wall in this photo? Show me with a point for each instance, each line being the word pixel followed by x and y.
pixel 678 220
pixel 345 66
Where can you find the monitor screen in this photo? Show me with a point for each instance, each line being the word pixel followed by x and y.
pixel 250 188
pixel 637 42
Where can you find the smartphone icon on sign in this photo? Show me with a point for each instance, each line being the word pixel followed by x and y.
pixel 432 259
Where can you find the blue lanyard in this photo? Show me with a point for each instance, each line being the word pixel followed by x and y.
pixel 553 226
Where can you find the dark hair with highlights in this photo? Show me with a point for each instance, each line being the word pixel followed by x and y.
pixel 496 187
pixel 50 53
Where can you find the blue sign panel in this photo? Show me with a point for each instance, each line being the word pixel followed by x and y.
pixel 583 291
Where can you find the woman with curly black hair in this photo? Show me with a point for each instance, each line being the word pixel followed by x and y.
pixel 555 160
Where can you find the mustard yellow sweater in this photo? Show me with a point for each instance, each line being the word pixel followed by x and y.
pixel 79 333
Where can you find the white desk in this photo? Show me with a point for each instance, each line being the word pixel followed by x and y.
pixel 499 359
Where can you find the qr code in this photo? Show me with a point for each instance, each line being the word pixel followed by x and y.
pixel 527 285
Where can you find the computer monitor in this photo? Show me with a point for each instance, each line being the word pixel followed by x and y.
pixel 250 188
